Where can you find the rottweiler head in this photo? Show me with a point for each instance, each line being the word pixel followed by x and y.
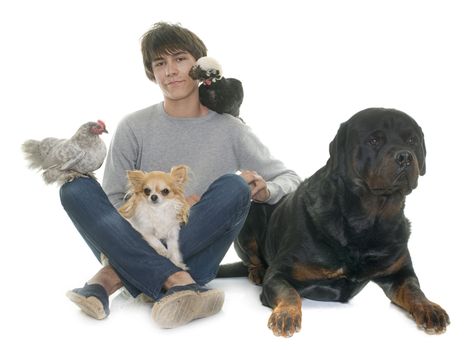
pixel 381 150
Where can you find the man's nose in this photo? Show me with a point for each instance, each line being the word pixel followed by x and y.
pixel 171 68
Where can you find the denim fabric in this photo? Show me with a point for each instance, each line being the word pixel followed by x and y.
pixel 214 223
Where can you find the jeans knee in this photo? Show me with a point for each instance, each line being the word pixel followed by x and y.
pixel 67 193
pixel 237 188
pixel 71 192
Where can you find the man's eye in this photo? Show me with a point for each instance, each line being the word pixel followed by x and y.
pixel 158 64
pixel 147 191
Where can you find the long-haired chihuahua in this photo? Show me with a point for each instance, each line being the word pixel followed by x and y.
pixel 157 207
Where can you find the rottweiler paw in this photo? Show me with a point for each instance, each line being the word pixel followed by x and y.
pixel 256 274
pixel 430 317
pixel 285 321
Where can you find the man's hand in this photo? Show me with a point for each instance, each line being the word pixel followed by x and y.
pixel 259 190
pixel 193 199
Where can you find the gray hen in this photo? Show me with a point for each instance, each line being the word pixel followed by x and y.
pixel 63 160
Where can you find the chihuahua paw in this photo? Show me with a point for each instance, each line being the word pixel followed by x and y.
pixel 163 252
pixel 181 265
pixel 104 260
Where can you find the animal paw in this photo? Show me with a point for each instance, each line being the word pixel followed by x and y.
pixel 104 260
pixel 162 251
pixel 285 321
pixel 430 317
pixel 181 265
pixel 178 262
pixel 91 175
pixel 73 175
pixel 256 274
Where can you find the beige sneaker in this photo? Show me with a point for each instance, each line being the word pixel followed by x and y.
pixel 183 304
pixel 92 299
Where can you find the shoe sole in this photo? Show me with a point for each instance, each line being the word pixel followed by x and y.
pixel 183 307
pixel 91 306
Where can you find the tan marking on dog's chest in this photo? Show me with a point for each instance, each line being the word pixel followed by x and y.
pixel 308 272
pixel 393 268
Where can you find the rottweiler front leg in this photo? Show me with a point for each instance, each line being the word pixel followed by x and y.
pixel 403 289
pixel 286 304
pixel 246 244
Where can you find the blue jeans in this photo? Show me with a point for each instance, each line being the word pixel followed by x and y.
pixel 213 224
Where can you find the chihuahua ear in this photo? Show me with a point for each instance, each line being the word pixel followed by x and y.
pixel 180 174
pixel 136 177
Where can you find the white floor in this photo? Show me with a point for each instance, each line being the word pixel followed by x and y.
pixel 49 320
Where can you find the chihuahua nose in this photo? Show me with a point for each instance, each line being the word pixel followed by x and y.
pixel 154 198
pixel 404 159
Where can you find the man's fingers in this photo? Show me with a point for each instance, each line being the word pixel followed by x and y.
pixel 258 185
pixel 249 176
pixel 259 190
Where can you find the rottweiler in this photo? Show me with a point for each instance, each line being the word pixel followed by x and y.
pixel 343 227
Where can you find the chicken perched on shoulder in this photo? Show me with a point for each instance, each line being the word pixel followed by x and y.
pixel 63 160
pixel 222 95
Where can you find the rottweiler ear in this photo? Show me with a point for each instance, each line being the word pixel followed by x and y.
pixel 337 160
pixel 422 160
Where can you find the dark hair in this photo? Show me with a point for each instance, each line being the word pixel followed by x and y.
pixel 165 39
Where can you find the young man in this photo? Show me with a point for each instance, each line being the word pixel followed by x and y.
pixel 180 130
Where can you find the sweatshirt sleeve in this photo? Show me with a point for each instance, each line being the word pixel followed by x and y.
pixel 122 156
pixel 253 155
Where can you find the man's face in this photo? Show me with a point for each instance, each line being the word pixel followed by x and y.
pixel 171 74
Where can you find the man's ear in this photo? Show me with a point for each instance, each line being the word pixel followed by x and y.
pixel 180 174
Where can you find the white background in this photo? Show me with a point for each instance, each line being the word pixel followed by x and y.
pixel 306 66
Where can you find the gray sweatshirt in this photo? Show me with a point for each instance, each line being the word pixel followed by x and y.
pixel 211 146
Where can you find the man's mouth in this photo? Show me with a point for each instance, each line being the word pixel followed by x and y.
pixel 174 83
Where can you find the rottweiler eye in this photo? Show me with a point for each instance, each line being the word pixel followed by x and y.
pixel 165 191
pixel 373 141
pixel 412 140
pixel 147 191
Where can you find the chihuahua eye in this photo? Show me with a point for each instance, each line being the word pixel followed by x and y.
pixel 165 191
pixel 147 191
